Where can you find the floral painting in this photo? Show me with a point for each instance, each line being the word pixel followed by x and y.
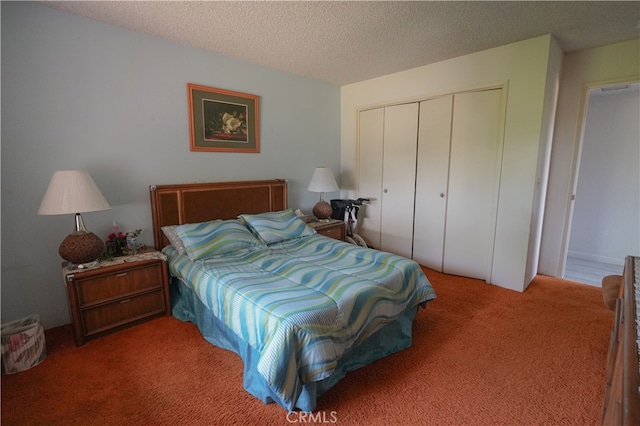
pixel 222 120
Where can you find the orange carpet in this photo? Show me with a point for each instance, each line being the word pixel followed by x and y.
pixel 482 355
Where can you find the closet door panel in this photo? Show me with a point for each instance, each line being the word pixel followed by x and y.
pixel 434 138
pixel 398 178
pixel 370 149
pixel 475 162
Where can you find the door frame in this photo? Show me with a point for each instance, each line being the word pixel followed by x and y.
pixel 577 156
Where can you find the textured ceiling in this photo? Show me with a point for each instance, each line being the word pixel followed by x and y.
pixel 348 41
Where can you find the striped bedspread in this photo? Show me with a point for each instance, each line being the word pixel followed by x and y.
pixel 305 302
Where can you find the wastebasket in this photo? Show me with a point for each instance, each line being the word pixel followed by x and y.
pixel 22 344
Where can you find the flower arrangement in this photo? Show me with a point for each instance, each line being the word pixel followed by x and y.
pixel 117 244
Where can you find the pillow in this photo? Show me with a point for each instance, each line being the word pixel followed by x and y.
pixel 169 231
pixel 273 227
pixel 215 238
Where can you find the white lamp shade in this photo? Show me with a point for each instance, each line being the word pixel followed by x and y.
pixel 323 180
pixel 72 191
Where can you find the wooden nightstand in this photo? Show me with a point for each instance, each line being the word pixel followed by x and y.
pixel 334 229
pixel 117 294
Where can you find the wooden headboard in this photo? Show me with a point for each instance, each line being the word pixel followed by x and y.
pixel 200 202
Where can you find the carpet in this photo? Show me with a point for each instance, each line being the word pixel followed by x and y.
pixel 481 355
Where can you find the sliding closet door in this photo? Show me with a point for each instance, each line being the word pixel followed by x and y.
pixel 474 172
pixel 434 138
pixel 370 134
pixel 398 178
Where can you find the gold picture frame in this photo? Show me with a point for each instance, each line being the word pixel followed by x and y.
pixel 223 120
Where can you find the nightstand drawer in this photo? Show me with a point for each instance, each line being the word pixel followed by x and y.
pixel 118 284
pixel 123 311
pixel 332 229
pixel 117 294
pixel 332 232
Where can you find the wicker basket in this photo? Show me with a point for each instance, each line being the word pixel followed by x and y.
pixel 23 345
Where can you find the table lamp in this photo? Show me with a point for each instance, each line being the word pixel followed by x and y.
pixel 74 192
pixel 322 181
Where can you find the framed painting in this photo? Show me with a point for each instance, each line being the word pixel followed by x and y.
pixel 222 120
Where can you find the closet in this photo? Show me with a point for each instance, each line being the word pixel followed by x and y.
pixel 432 169
pixel 386 175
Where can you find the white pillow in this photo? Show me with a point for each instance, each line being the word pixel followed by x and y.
pixel 170 232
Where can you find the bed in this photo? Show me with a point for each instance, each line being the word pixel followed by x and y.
pixel 300 309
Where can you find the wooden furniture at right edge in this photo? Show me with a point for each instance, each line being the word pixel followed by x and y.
pixel 622 394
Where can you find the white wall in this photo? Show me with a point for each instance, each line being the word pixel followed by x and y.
pixel 606 217
pixel 527 68
pixel 544 154
pixel 581 70
pixel 81 94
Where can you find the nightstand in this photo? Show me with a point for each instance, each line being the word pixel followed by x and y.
pixel 334 229
pixel 117 294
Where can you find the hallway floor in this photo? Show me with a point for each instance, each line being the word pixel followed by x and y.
pixel 588 271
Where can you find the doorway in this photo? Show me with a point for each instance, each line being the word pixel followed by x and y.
pixel 605 224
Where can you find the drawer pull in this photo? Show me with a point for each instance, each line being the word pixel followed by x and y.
pixel 125 301
pixel 123 274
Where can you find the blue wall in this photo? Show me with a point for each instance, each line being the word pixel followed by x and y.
pixel 79 94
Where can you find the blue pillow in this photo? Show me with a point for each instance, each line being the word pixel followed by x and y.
pixel 215 238
pixel 273 227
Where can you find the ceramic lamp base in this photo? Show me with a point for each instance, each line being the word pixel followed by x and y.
pixel 81 247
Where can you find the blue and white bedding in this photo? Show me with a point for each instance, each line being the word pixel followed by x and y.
pixel 300 304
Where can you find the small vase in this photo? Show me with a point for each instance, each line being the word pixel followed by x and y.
pixel 132 244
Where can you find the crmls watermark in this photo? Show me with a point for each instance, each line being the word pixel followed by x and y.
pixel 318 417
